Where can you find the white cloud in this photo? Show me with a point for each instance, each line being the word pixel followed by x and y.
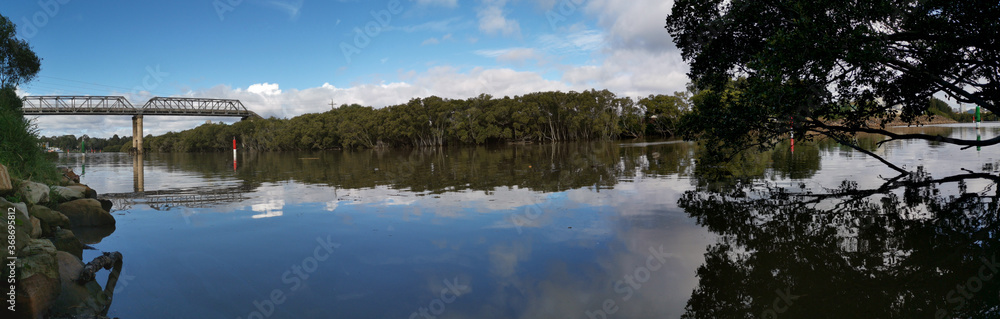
pixel 264 89
pixel 581 41
pixel 634 24
pixel 433 41
pixel 492 19
pixel 512 55
pixel 446 25
pixel 633 72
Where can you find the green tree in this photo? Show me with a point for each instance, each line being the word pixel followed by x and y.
pixel 18 63
pixel 831 67
pixel 20 148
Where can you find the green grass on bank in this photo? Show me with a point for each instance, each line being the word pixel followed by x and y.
pixel 19 148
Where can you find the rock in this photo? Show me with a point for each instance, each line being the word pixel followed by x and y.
pixel 22 209
pixel 106 204
pixel 22 227
pixel 65 240
pixel 35 193
pixel 92 235
pixel 68 174
pixel 38 274
pixel 50 219
pixel 36 228
pixel 77 299
pixel 86 212
pixel 84 189
pixel 65 194
pixel 5 184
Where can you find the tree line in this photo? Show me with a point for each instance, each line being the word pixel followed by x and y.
pixel 436 121
pixel 74 143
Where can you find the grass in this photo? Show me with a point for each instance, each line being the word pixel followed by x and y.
pixel 20 151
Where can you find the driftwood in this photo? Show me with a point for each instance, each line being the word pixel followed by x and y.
pixel 108 261
pixel 112 261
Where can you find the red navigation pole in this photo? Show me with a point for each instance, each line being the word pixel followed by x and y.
pixel 234 153
pixel 791 126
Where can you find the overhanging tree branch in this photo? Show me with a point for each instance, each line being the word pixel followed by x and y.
pixel 896 136
pixel 866 152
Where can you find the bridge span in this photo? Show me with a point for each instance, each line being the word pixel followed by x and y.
pixel 119 105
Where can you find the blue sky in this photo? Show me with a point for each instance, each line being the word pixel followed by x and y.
pixel 289 57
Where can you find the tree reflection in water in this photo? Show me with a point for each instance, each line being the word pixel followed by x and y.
pixel 902 250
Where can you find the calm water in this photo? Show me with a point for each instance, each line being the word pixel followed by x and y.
pixel 578 230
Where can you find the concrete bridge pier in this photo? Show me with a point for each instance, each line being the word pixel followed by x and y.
pixel 137 133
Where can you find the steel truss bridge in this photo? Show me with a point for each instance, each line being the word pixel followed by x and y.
pixel 119 105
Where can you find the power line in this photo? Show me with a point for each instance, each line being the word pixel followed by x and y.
pixel 103 89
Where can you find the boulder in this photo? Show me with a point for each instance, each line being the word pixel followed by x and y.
pixel 38 277
pixel 77 299
pixel 65 240
pixel 22 227
pixel 65 194
pixel 86 213
pixel 35 193
pixel 68 174
pixel 5 184
pixel 106 204
pixel 84 189
pixel 36 228
pixel 50 219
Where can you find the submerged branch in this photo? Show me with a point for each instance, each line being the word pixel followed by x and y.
pixel 866 152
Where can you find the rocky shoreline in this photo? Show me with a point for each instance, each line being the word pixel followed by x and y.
pixel 48 227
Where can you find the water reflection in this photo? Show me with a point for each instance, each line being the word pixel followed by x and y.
pixel 138 173
pixel 556 230
pixel 902 250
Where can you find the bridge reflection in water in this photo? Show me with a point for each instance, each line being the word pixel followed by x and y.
pixel 198 197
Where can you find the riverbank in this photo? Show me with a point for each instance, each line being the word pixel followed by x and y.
pixel 48 227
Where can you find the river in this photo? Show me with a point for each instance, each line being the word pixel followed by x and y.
pixel 574 230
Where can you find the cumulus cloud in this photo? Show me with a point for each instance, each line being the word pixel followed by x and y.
pixel 633 72
pixel 492 19
pixel 634 24
pixel 264 89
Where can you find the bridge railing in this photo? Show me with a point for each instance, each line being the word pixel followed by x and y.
pixel 195 106
pixel 119 105
pixel 75 104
